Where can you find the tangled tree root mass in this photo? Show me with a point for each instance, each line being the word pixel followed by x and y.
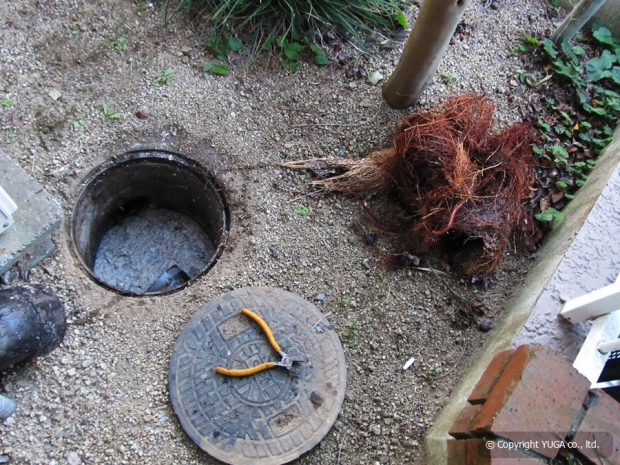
pixel 455 177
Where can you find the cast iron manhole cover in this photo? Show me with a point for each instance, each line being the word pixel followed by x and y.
pixel 271 417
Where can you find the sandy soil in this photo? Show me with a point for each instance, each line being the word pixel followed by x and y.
pixel 102 397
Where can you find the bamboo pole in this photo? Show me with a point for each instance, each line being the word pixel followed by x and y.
pixel 576 19
pixel 423 52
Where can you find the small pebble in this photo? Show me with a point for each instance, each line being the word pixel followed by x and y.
pixel 374 78
pixel 73 458
pixel 319 297
pixel 485 325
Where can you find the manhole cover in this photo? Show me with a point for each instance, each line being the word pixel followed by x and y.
pixel 271 417
pixel 149 222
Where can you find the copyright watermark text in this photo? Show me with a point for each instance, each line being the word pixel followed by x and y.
pixel 596 445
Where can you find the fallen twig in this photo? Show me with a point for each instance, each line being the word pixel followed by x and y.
pixel 321 319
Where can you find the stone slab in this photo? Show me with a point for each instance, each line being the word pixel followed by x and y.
pixel 28 240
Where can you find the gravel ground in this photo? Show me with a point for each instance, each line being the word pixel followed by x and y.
pixel 102 397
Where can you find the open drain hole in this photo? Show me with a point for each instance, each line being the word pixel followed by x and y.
pixel 149 222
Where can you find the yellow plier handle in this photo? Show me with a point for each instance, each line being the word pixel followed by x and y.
pixel 264 326
pixel 263 366
pixel 244 371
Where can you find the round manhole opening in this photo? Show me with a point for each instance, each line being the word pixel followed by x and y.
pixel 149 222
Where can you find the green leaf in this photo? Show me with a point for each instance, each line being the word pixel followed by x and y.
pixel 293 46
pixel 293 66
pixel 603 35
pixel 217 46
pixel 558 151
pixel 549 47
pixel 570 70
pixel 291 54
pixel 566 117
pixel 401 18
pixel 568 196
pixel 598 68
pixel 268 44
pixel 536 150
pixel 561 185
pixel 320 58
pixel 579 50
pixel 549 215
pixel 569 50
pixel 598 111
pixel 6 102
pixel 530 40
pixel 544 126
pixel 303 211
pixel 234 43
pixel 615 74
pixel 220 69
pixel 291 51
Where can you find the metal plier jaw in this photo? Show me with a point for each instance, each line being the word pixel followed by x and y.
pixel 285 362
pixel 288 360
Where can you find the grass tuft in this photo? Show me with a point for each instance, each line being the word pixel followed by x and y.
pixel 294 19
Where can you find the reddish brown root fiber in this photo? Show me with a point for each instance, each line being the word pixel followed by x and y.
pixel 453 175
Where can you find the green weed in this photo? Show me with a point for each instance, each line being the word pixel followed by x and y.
pixel 109 114
pixel 303 211
pixel 449 77
pixel 164 77
pixel 120 44
pixel 220 69
pixel 349 335
pixel 435 369
pixel 220 45
pixel 550 215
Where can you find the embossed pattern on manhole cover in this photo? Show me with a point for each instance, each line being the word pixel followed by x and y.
pixel 271 417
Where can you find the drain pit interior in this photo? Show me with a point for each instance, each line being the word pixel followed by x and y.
pixel 148 222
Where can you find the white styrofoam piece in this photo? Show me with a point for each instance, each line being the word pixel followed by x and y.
pixel 594 304
pixel 7 208
pixel 590 361
pixel 606 347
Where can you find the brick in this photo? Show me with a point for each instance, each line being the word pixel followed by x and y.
pixel 503 388
pixel 601 423
pixel 456 452
pixel 537 397
pixel 462 426
pixel 475 452
pixel 489 377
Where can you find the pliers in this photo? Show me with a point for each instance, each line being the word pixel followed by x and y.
pixel 286 361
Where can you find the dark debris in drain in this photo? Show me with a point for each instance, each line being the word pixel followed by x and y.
pixel 152 250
